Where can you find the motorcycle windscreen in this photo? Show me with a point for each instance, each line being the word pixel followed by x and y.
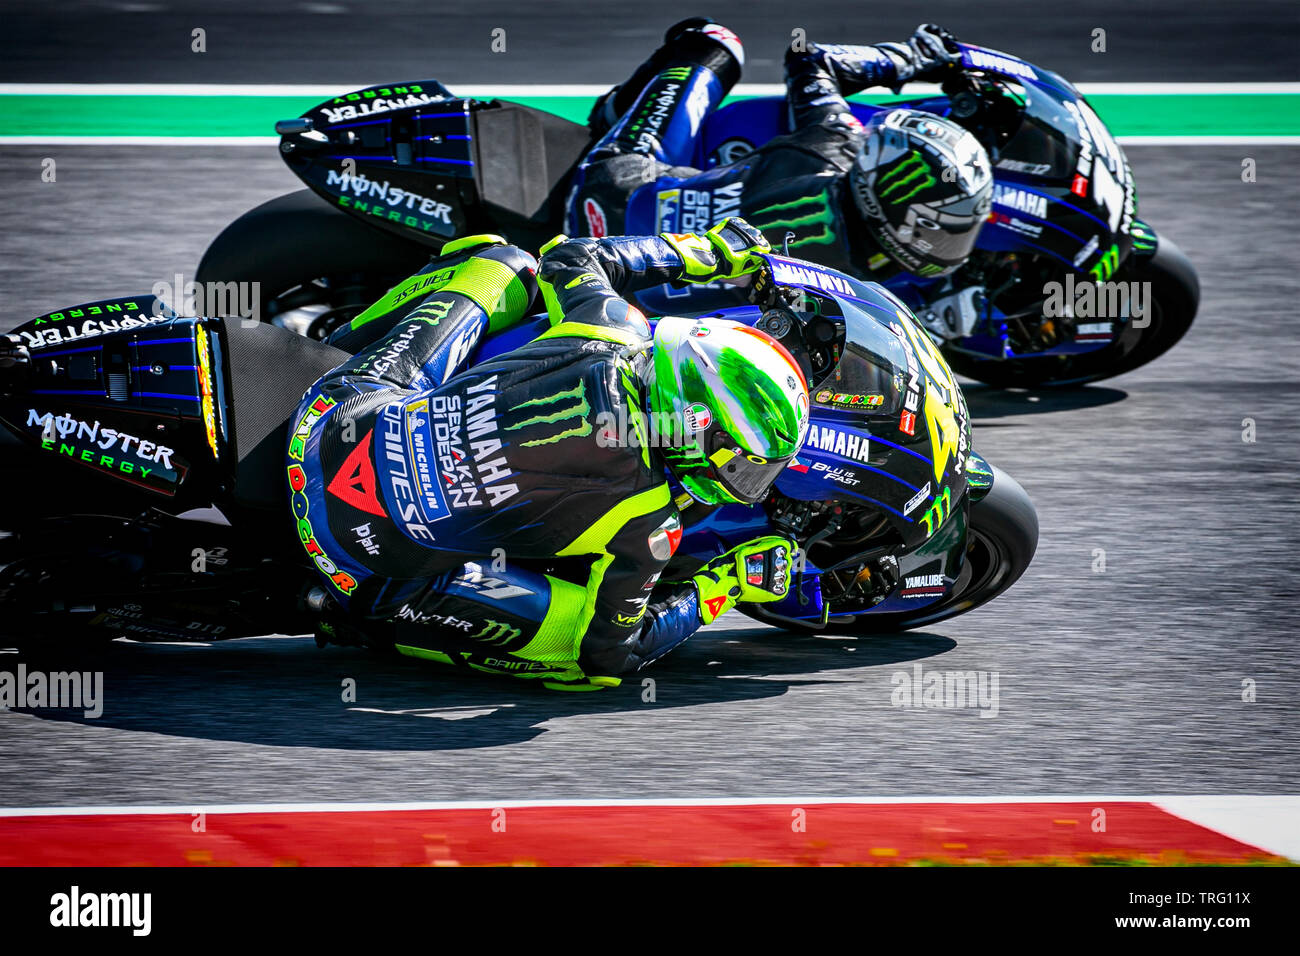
pixel 1045 145
pixel 871 377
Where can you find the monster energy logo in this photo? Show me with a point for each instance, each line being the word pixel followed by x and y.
pixel 1143 237
pixel 938 510
pixel 806 213
pixel 494 632
pixel 907 178
pixel 1106 265
pixel 677 73
pixel 577 411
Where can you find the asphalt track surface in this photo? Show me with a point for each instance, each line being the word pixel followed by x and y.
pixel 1122 682
pixel 581 41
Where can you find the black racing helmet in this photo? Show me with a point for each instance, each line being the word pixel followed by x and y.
pixel 923 185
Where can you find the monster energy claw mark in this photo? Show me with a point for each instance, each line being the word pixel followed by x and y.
pixel 495 632
pixel 911 171
pixel 577 411
pixel 799 214
pixel 938 510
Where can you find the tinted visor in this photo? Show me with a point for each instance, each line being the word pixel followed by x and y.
pixel 946 246
pixel 949 244
pixel 745 476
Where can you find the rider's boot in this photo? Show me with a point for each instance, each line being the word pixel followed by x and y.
pixel 691 42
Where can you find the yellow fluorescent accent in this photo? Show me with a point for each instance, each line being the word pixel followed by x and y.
pixel 574 688
pixel 580 280
pixel 558 636
pixel 488 283
pixel 426 282
pixel 931 360
pixel 469 242
pixel 943 431
pixel 722 456
pixel 582 330
pixel 696 252
pixel 594 539
pixel 939 415
pixel 553 242
pixel 424 654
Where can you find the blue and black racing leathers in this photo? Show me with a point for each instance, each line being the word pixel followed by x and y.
pixel 637 177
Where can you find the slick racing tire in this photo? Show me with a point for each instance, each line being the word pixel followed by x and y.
pixel 1175 296
pixel 1001 541
pixel 317 267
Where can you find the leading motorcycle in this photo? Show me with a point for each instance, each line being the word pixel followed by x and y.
pixel 1067 285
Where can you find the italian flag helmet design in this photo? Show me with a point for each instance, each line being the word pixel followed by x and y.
pixel 729 405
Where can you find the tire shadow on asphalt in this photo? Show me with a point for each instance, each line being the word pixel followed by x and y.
pixel 987 404
pixel 284 692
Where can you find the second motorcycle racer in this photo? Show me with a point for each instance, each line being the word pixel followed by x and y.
pixel 908 191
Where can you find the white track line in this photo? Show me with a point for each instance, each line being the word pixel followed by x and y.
pixel 1238 802
pixel 1197 139
pixel 139 140
pixel 1271 823
pixel 489 90
pixel 1191 140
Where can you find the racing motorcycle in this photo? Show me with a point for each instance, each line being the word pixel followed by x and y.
pixel 1067 285
pixel 146 493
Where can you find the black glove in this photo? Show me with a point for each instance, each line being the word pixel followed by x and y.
pixel 926 54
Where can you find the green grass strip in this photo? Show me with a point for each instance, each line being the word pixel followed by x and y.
pixel 1194 114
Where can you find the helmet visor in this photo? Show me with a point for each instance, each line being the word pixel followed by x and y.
pixel 930 248
pixel 944 240
pixel 744 476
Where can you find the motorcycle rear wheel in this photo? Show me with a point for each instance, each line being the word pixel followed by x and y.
pixel 317 267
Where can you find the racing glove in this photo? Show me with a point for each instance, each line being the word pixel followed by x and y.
pixel 729 250
pixel 926 53
pixel 757 571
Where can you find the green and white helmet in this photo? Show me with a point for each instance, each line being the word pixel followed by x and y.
pixel 729 405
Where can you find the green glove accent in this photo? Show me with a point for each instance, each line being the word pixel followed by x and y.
pixel 757 571
pixel 727 251
pixel 552 243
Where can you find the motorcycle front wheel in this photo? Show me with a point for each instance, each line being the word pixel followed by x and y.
pixel 1175 296
pixel 1000 544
